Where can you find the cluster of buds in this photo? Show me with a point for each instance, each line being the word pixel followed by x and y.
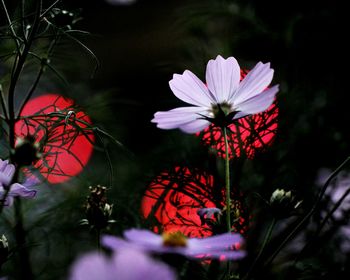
pixel 98 211
pixel 4 250
pixel 26 151
pixel 283 203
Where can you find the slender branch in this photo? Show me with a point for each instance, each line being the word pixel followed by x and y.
pixel 10 24
pixel 324 221
pixel 16 75
pixel 265 242
pixel 32 89
pixel 3 105
pixel 310 213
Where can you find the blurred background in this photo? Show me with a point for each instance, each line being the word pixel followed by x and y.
pixel 139 46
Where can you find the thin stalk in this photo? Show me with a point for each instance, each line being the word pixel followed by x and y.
pixel 26 270
pixel 3 105
pixel 323 223
pixel 227 182
pixel 310 213
pixel 262 248
pixel 13 32
pixel 16 74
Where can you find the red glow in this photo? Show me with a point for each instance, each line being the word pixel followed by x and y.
pixel 245 136
pixel 67 144
pixel 173 198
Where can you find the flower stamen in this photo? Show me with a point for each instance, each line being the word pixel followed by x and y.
pixel 174 239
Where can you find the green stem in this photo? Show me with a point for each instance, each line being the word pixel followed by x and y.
pixel 227 181
pixel 265 242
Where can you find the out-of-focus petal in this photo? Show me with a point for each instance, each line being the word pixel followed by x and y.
pixel 115 243
pixel 93 266
pixel 190 89
pixel 19 190
pixel 227 255
pixel 258 103
pixel 141 236
pixel 222 76
pixel 222 241
pixel 135 265
pixel 7 170
pixel 257 80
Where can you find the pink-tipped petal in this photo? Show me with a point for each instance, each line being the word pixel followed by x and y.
pixel 222 76
pixel 257 80
pixel 258 103
pixel 190 89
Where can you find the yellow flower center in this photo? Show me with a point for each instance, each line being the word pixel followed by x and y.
pixel 174 239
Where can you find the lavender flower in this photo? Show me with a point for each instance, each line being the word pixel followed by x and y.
pixel 7 171
pixel 219 246
pixel 223 99
pixel 127 264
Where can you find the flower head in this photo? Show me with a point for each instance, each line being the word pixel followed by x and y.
pixel 219 246
pixel 7 171
pixel 126 264
pixel 222 99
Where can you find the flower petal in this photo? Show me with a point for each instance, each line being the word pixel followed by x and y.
pixel 222 76
pixel 19 190
pixel 135 265
pixel 195 126
pixel 114 243
pixel 257 80
pixel 228 255
pixel 190 89
pixel 258 103
pixel 7 170
pixel 93 266
pixel 141 236
pixel 178 117
pixel 213 243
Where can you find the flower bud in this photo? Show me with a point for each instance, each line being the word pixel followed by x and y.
pixel 27 151
pixel 98 211
pixel 4 250
pixel 283 203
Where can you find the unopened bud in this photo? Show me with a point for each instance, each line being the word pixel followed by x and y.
pixel 27 151
pixel 283 203
pixel 98 211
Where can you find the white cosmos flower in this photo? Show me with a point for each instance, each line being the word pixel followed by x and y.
pixel 223 99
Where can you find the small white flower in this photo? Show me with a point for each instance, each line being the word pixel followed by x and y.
pixel 223 99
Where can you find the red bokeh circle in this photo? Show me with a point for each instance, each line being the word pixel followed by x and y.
pixel 171 201
pixel 63 131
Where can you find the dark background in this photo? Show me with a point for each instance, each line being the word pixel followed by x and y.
pixel 140 46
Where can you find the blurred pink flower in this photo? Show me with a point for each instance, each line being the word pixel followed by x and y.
pixel 126 264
